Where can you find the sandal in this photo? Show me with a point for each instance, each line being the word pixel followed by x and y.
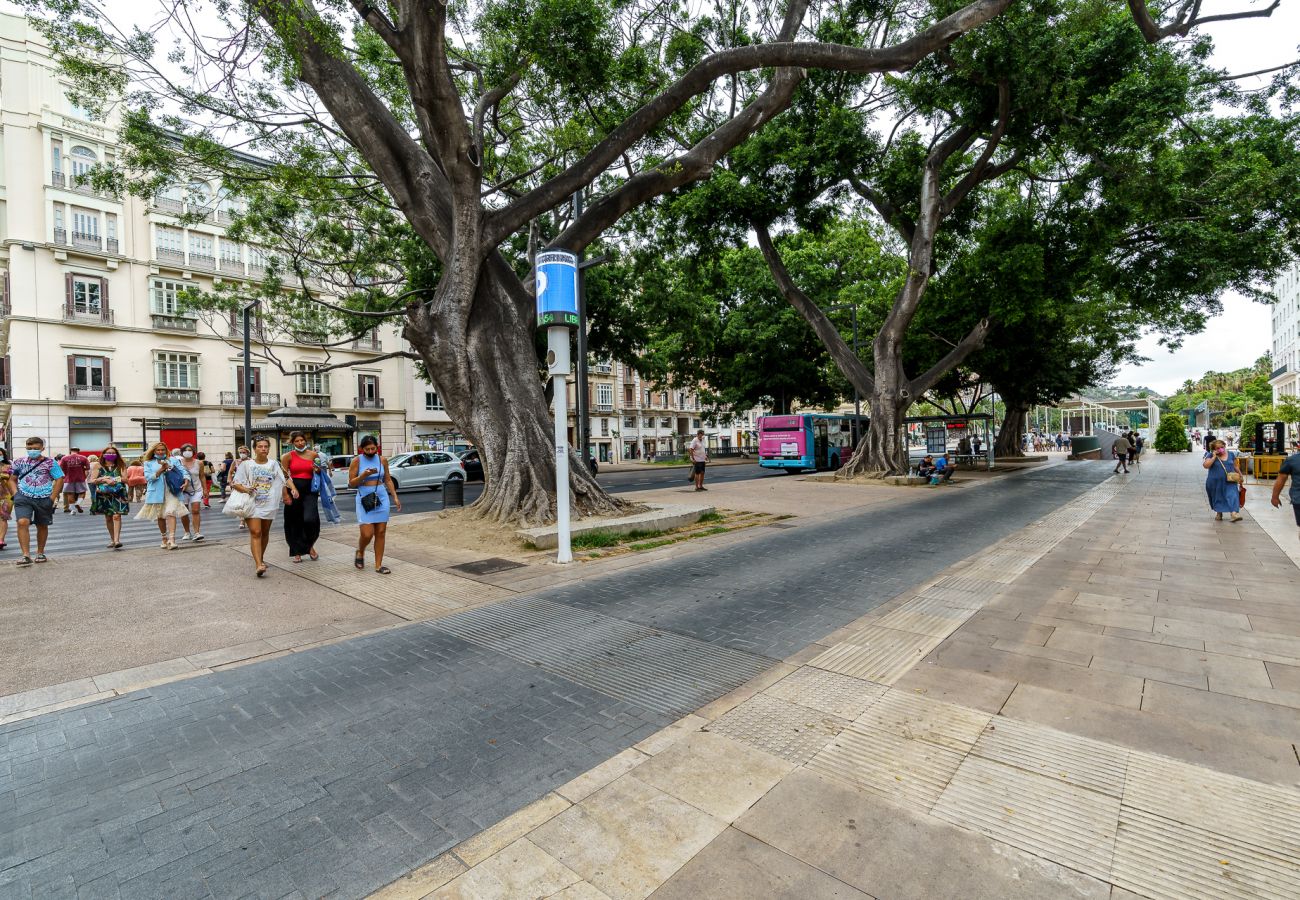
pixel 25 561
pixel 311 554
pixel 261 570
pixel 359 561
pixel 383 570
pixel 297 559
pixel 40 558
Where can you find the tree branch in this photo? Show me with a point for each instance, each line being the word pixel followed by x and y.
pixel 1186 18
pixel 980 171
pixel 893 216
pixel 954 357
pixel 839 349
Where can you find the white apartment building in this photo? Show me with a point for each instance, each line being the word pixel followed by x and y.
pixel 92 336
pixel 1285 378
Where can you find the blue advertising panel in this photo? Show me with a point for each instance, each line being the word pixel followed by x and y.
pixel 557 288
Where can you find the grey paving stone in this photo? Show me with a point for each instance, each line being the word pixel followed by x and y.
pixel 338 769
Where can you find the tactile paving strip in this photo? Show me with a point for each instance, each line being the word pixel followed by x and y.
pixel 882 655
pixel 1085 763
pixel 829 692
pixel 668 673
pixel 1044 816
pixel 911 773
pixel 1260 815
pixel 906 618
pixel 788 730
pixel 1168 860
pixel 919 719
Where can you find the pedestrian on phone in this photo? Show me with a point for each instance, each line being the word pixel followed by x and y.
pixel 35 482
pixel 263 478
pixel 110 495
pixel 1222 480
pixel 368 474
pixel 301 504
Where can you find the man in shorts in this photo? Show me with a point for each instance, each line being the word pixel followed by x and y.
pixel 699 459
pixel 75 468
pixel 1290 468
pixel 35 481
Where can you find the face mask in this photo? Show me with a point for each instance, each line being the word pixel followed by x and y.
pixel 188 454
pixel 33 454
pixel 110 457
pixel 243 455
pixel 160 455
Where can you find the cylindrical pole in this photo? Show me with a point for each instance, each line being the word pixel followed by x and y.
pixel 557 341
pixel 248 377
pixel 857 395
pixel 581 409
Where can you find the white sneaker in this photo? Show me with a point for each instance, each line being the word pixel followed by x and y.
pixel 187 536
pixel 197 538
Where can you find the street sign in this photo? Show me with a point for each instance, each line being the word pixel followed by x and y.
pixel 557 289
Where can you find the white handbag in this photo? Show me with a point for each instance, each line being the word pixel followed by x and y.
pixel 239 505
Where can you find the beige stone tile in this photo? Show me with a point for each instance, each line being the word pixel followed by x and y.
pixel 1121 690
pixel 1118 654
pixel 1220 709
pixel 628 837
pixel 735 866
pixel 596 778
pixel 579 890
pixel 230 654
pixel 520 870
pixel 47 696
pixel 55 707
pixel 665 737
pixel 419 883
pixel 306 636
pixel 963 687
pixel 1283 677
pixel 1075 615
pixel 886 850
pixel 128 679
pixel 1052 622
pixel 715 774
pixel 1067 656
pixel 499 836
pixel 1274 625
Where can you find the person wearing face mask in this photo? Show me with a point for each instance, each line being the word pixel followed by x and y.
pixel 135 480
pixel 110 496
pixel 191 493
pixel 35 482
pixel 242 454
pixel 162 501
pixel 263 478
pixel 301 507
pixel 224 470
pixel 368 474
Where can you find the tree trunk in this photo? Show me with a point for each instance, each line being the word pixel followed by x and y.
pixel 882 451
pixel 487 377
pixel 1010 441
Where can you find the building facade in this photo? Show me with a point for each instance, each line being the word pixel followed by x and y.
pixel 1285 377
pixel 96 345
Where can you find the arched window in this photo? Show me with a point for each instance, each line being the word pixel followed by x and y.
pixel 82 159
pixel 199 194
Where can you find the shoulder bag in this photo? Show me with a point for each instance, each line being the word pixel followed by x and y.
pixel 239 505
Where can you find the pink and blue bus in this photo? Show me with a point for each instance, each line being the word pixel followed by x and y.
pixel 807 441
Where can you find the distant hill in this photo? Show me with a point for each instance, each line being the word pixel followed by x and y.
pixel 1120 392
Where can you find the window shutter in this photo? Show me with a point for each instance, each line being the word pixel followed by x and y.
pixel 361 388
pixel 72 370
pixel 8 298
pixel 108 381
pixel 67 284
pixel 103 300
pixel 240 384
pixel 255 379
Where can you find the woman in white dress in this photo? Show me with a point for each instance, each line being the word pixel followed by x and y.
pixel 262 477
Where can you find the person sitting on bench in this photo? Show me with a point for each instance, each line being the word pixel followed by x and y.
pixel 944 469
pixel 926 467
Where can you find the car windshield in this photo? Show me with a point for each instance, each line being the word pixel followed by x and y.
pixel 398 460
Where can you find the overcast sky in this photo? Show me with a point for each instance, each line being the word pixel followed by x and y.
pixel 1233 340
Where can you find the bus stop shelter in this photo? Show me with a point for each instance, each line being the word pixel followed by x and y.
pixel 938 432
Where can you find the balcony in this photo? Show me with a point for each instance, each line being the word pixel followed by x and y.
pixel 256 270
pixel 311 338
pixel 603 406
pixel 168 204
pixel 369 342
pixel 202 261
pixel 60 235
pixel 86 241
pixel 232 266
pixel 236 398
pixel 112 246
pixel 164 322
pixel 237 329
pixel 5 309
pixel 81 185
pixel 88 316
pixel 178 396
pixel 1278 372
pixel 169 254
pixel 367 402
pixel 82 393
pixel 602 368
pixel 58 180
pixel 6 391
pixel 312 401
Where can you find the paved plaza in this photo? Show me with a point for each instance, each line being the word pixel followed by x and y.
pixel 1057 683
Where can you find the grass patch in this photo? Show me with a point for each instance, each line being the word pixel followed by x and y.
pixel 710 517
pixel 600 538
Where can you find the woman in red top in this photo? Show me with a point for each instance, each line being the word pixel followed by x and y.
pixel 302 509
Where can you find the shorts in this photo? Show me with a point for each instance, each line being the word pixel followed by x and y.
pixel 699 468
pixel 39 510
pixel 74 487
pixel 1296 508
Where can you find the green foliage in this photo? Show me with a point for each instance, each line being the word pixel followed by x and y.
pixel 1171 436
pixel 1228 394
pixel 1248 423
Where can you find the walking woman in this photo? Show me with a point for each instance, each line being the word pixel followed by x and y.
pixel 301 506
pixel 111 495
pixel 224 472
pixel 161 502
pixel 262 477
pixel 6 500
pixel 375 494
pixel 135 480
pixel 192 496
pixel 1222 480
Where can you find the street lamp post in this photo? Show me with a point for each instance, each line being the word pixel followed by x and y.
pixel 857 397
pixel 247 386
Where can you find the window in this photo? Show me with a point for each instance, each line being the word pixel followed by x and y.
pixel 87 294
pixel 201 244
pixel 170 239
pixel 56 157
pixel 310 381
pixel 605 396
pixel 176 370
pixel 82 159
pixel 85 223
pixel 647 398
pixel 629 421
pixel 231 251
pixel 432 401
pixel 695 423
pixel 58 217
pixel 648 422
pixel 368 387
pixel 89 371
pixel 628 398
pixel 110 223
pixel 165 297
pixel 604 427
pixel 663 400
pixel 665 422
pixel 199 194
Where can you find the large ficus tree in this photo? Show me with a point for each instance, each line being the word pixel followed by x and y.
pixel 470 125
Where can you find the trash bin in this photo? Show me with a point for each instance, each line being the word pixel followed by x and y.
pixel 453 493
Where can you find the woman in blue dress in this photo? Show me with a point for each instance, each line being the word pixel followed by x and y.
pixel 1224 494
pixel 375 495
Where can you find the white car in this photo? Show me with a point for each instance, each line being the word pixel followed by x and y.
pixel 424 468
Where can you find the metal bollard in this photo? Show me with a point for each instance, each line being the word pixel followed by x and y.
pixel 453 493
